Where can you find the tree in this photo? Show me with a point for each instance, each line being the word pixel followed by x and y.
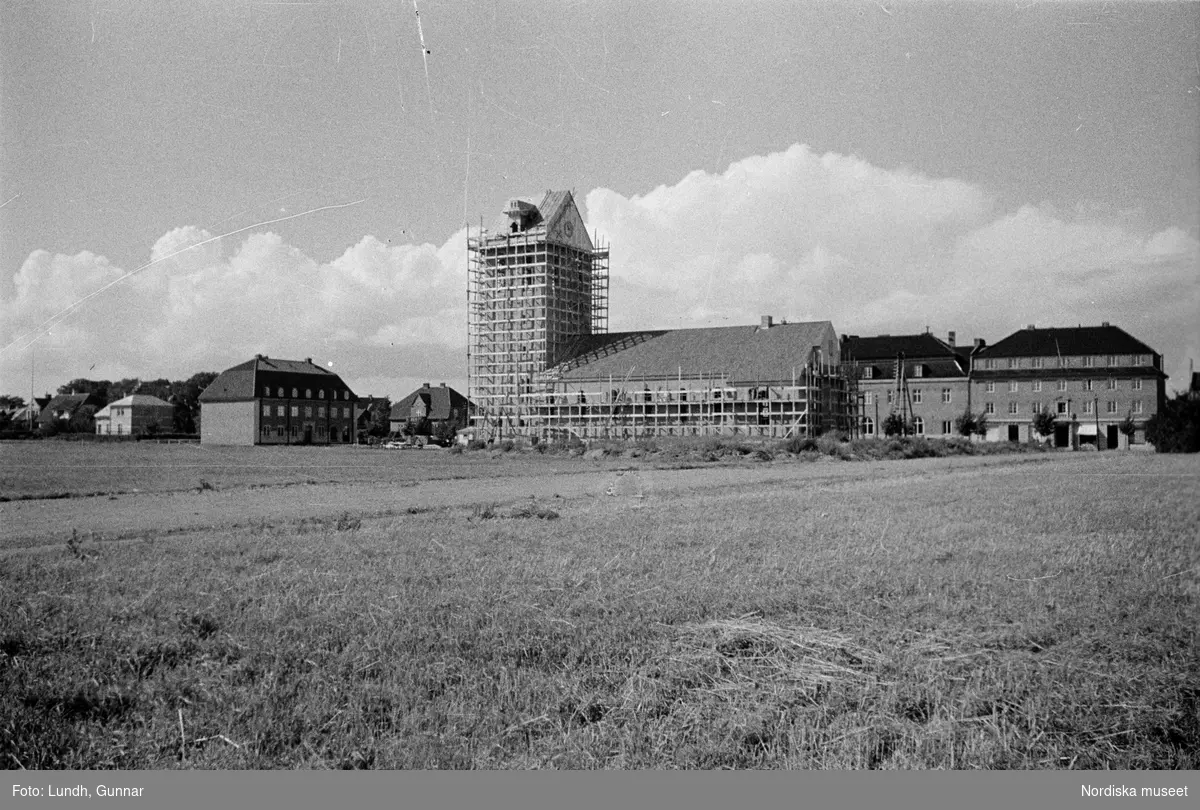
pixel 380 418
pixel 1176 428
pixel 1043 423
pixel 981 425
pixel 895 425
pixel 9 403
pixel 82 421
pixel 965 423
pixel 444 432
pixel 81 385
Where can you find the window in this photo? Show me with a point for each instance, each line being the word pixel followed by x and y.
pixel 321 412
pixel 991 387
pixel 1037 362
pixel 1087 406
pixel 868 373
pixel 1012 387
pixel 308 393
pixel 869 398
pixel 889 396
pixel 1037 385
pixel 1035 407
pixel 345 395
pixel 918 426
pixel 321 394
pixel 1012 408
pixel 1137 385
pixel 279 430
pixel 1112 359
pixel 279 393
pixel 916 396
pixel 1061 408
pixel 266 390
pixel 946 394
pixel 345 413
pixel 868 427
pixel 295 393
pixel 947 427
pixel 918 370
pixel 989 408
pixel 1087 385
pixel 295 411
pixel 279 410
pixel 1088 361
pixel 1062 385
pixel 1112 384
pixel 1137 406
pixel 1143 359
pixel 266 410
pixel 1110 406
pixel 308 411
pixel 1012 362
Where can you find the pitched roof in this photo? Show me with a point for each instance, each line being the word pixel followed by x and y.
pixel 69 403
pixel 439 401
pixel 735 353
pixel 141 400
pixel 887 347
pixel 241 382
pixel 1069 341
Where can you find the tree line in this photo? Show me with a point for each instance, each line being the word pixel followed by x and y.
pixel 184 395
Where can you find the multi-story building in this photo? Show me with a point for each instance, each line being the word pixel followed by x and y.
pixel 921 378
pixel 1092 378
pixel 268 401
pixel 542 363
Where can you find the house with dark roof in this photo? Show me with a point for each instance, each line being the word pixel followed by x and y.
pixel 922 378
pixel 272 401
pixel 1092 378
pixel 136 414
pixel 61 409
pixel 440 405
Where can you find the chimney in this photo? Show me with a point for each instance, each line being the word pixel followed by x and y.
pixel 260 357
pixel 767 321
pixel 443 385
pixel 979 343
pixel 1031 327
pixel 308 360
pixel 1106 323
pixel 950 339
pixel 424 385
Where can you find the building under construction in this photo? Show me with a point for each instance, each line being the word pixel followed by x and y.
pixel 542 364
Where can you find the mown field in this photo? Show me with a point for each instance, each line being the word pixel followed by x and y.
pixel 1021 612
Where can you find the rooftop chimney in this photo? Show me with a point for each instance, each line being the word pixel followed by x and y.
pixel 1031 326
pixel 443 385
pixel 767 320
pixel 424 385
pixel 950 339
pixel 260 357
pixel 979 343
pixel 1106 323
pixel 308 360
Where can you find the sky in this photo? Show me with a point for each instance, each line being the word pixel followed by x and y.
pixel 186 184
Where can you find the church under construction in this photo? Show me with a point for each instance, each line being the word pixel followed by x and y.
pixel 542 364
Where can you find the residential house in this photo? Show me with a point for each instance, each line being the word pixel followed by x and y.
pixel 271 401
pixel 441 405
pixel 1092 378
pixel 136 414
pixel 61 409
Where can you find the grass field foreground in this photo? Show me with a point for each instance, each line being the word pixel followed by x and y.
pixel 1016 616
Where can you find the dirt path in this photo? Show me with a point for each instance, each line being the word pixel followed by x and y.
pixel 33 523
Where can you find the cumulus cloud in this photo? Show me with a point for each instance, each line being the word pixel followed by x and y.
pixel 807 236
pixel 794 234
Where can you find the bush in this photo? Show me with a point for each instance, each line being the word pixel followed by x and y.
pixel 1176 428
pixel 801 444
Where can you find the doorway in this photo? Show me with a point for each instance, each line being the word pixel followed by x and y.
pixel 1062 435
pixel 1113 437
pixel 1014 433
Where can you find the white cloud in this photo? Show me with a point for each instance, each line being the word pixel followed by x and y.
pixel 793 234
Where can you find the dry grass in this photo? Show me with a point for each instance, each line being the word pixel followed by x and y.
pixel 921 615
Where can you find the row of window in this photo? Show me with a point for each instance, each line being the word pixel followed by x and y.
pixel 1085 385
pixel 916 395
pixel 1084 361
pixel 868 372
pixel 308 393
pixel 293 432
pixel 1110 407
pixel 334 412
pixel 918 426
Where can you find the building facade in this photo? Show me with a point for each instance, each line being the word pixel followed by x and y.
pixel 920 378
pixel 436 405
pixel 136 414
pixel 269 401
pixel 1092 379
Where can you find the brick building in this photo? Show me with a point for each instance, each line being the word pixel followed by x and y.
pixel 1092 378
pixel 134 415
pixel 921 378
pixel 268 401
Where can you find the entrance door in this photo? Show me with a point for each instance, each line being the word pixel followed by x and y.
pixel 308 434
pixel 1062 435
pixel 1113 437
pixel 1014 433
